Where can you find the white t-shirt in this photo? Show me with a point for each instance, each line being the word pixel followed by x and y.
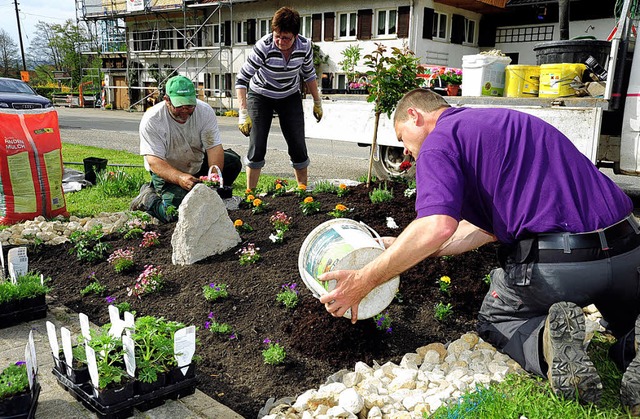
pixel 181 145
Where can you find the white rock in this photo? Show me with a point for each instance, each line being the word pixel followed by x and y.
pixel 351 401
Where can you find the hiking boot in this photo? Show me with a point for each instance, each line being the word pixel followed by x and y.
pixel 145 198
pixel 630 386
pixel 571 372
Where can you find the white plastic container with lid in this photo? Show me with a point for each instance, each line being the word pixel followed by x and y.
pixel 483 75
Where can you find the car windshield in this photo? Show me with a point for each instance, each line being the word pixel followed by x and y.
pixel 15 86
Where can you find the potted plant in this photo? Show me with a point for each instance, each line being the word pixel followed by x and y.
pixel 452 79
pixel 23 300
pixel 114 384
pixel 153 339
pixel 16 398
pixel 78 371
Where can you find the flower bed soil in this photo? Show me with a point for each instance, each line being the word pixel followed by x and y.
pixel 317 345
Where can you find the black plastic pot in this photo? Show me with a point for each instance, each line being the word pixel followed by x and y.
pixel 572 51
pixel 115 395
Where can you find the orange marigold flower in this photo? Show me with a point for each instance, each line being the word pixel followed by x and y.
pixel 248 191
pixel 237 223
pixel 308 200
pixel 342 186
pixel 278 186
pixel 302 187
pixel 257 202
pixel 250 198
pixel 341 207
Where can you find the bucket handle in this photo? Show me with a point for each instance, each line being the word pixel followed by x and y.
pixel 375 235
pixel 219 173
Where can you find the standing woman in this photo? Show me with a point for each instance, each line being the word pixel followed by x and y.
pixel 270 81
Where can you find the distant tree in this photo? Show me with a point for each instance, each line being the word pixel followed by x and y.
pixel 9 56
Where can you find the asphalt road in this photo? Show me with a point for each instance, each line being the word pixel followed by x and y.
pixel 118 130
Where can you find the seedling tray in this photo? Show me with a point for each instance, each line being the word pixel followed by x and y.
pixel 84 394
pixel 23 315
pixel 35 393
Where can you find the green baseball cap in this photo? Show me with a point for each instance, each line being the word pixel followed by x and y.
pixel 181 91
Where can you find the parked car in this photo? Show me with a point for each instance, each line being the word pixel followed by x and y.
pixel 16 94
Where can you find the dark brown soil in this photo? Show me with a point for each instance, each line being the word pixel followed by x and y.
pixel 317 345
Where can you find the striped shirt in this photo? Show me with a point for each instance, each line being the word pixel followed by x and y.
pixel 268 73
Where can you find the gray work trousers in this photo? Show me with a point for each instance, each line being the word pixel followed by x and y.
pixel 514 310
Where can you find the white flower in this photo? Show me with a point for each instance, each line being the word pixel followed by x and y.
pixel 409 192
pixel 391 223
pixel 274 238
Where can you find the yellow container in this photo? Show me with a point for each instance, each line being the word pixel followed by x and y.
pixel 555 79
pixel 522 80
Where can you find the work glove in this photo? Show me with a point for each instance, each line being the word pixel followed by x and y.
pixel 317 109
pixel 244 122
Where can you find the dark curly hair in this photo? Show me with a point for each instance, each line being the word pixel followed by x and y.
pixel 286 20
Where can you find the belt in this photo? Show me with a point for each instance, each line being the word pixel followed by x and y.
pixel 604 239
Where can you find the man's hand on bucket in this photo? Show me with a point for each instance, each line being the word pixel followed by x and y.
pixel 347 294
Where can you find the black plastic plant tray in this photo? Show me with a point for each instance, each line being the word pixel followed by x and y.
pixel 84 394
pixel 35 393
pixel 21 316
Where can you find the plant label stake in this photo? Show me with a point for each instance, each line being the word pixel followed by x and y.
pixel 31 360
pixel 184 346
pixel 53 340
pixel 118 326
pixel 84 326
pixel 66 348
pixel 2 274
pixel 93 369
pixel 18 262
pixel 129 355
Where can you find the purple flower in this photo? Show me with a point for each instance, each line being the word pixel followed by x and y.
pixel 207 325
pixel 267 341
pixel 20 363
pixel 389 330
pixel 233 336
pixel 110 300
pixel 210 316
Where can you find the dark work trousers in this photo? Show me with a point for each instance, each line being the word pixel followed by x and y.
pixel 171 195
pixel 291 117
pixel 515 308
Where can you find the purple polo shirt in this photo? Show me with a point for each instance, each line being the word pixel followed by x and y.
pixel 513 175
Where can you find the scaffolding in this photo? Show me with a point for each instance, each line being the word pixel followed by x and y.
pixel 156 39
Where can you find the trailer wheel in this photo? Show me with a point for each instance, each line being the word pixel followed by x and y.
pixel 388 165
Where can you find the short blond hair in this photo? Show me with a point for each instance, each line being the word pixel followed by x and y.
pixel 423 99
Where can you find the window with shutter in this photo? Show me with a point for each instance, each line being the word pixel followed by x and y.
pixel 251 31
pixel 404 16
pixel 457 29
pixel 365 18
pixel 227 32
pixel 329 26
pixel 316 27
pixel 427 23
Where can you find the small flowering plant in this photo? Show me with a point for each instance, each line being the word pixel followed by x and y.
pixel 288 296
pixel 241 226
pixel 274 354
pixel 280 222
pixel 214 291
pixel 443 311
pixel 445 285
pixel 14 380
pixel 249 254
pixel 258 206
pixel 342 190
pixel 122 260
pixel 213 326
pixel 309 206
pixel 212 180
pixel 340 211
pixel 301 190
pixel 280 187
pixel 150 239
pixel 405 165
pixel 150 280
pixel 383 322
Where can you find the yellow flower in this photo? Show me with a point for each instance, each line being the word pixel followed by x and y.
pixel 342 186
pixel 341 207
pixel 445 279
pixel 250 197
pixel 257 202
pixel 302 187
pixel 278 186
pixel 308 200
pixel 237 223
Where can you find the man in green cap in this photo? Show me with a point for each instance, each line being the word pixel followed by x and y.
pixel 180 141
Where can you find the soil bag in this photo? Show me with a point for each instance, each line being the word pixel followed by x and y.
pixel 30 165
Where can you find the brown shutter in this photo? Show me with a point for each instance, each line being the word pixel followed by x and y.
pixel 316 27
pixel 487 33
pixel 227 32
pixel 329 29
pixel 227 84
pixel 457 29
pixel 251 31
pixel 427 23
pixel 365 17
pixel 404 15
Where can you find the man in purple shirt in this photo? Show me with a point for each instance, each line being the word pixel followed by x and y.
pixel 567 233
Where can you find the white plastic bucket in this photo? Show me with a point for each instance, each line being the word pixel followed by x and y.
pixel 339 244
pixel 483 75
